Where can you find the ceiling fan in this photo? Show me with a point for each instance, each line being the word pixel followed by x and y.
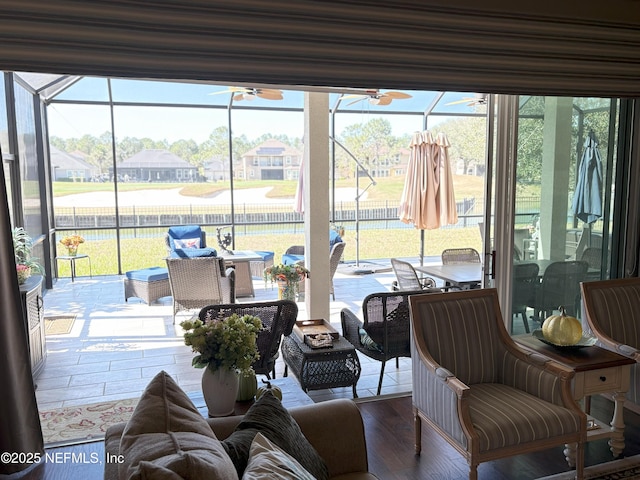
pixel 477 99
pixel 249 94
pixel 376 97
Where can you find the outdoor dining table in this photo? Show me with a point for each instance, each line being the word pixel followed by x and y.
pixel 461 275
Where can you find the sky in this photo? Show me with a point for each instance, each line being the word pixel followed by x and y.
pixel 171 123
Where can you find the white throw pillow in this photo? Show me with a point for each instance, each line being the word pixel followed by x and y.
pixel 268 461
pixel 186 243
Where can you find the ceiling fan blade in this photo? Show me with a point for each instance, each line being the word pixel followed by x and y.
pixel 269 91
pixel 384 100
pixel 238 97
pixel 362 97
pixel 353 95
pixel 230 90
pixel 464 100
pixel 270 95
pixel 396 95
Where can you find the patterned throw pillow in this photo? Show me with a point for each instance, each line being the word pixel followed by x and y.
pixel 186 243
pixel 367 342
pixel 269 417
pixel 267 461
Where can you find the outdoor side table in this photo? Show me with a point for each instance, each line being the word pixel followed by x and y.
pixel 318 368
pixel 72 263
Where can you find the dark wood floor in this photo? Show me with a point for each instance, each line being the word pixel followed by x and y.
pixel 390 440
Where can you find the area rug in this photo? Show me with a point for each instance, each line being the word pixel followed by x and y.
pixel 58 324
pixel 623 469
pixel 84 422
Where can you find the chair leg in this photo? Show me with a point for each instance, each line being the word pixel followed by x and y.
pixel 381 375
pixel 523 314
pixel 417 427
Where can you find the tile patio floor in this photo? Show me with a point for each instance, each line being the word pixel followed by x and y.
pixel 115 348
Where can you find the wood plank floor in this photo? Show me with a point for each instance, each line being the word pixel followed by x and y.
pixel 390 440
pixel 390 443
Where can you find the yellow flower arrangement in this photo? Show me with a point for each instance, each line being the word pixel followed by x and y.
pixel 72 241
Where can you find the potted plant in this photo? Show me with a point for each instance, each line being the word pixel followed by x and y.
pixel 225 348
pixel 287 277
pixel 26 264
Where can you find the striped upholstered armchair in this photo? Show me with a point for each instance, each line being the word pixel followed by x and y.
pixel 613 312
pixel 487 397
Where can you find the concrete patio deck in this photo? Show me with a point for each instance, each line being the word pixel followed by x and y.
pixel 115 348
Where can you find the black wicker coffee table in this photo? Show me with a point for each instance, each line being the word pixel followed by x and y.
pixel 336 366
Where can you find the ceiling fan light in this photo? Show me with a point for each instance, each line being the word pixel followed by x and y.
pixel 374 100
pixel 248 96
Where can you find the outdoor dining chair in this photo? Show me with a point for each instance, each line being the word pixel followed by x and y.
pixel 525 279
pixel 560 286
pixel 456 256
pixel 453 256
pixel 407 279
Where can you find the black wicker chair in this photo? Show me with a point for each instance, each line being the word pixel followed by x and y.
pixel 387 326
pixel 278 318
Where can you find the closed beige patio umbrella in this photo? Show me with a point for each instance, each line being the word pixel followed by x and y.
pixel 428 199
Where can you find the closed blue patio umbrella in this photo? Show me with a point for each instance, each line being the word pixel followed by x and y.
pixel 587 199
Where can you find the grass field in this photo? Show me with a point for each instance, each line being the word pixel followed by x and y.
pixel 373 243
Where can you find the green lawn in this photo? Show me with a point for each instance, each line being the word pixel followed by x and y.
pixel 374 244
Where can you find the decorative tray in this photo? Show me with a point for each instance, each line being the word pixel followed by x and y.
pixel 308 331
pixel 587 340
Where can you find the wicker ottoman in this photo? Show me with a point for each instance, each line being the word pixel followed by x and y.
pixel 148 284
pixel 258 266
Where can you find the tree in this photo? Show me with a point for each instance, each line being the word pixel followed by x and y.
pixel 372 143
pixel 467 137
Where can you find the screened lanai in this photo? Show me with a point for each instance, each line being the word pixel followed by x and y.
pixel 105 122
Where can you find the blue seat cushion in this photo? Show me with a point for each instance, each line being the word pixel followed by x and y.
pixel 151 274
pixel 334 238
pixel 265 255
pixel 186 236
pixel 289 259
pixel 194 252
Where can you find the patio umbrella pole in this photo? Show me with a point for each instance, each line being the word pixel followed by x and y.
pixel 359 194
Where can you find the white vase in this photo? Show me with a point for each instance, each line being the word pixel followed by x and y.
pixel 220 388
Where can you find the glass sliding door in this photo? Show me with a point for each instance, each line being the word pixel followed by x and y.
pixel 560 200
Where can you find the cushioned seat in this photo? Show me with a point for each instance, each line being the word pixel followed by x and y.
pixel 188 241
pixel 290 259
pixel 151 274
pixel 257 266
pixel 194 252
pixel 149 284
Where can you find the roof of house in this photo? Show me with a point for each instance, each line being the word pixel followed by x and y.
pixel 273 147
pixel 155 158
pixel 65 161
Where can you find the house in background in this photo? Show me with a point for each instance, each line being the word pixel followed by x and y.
pixel 216 169
pixel 68 167
pixel 156 166
pixel 271 160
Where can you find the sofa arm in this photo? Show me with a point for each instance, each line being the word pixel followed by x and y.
pixel 334 428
